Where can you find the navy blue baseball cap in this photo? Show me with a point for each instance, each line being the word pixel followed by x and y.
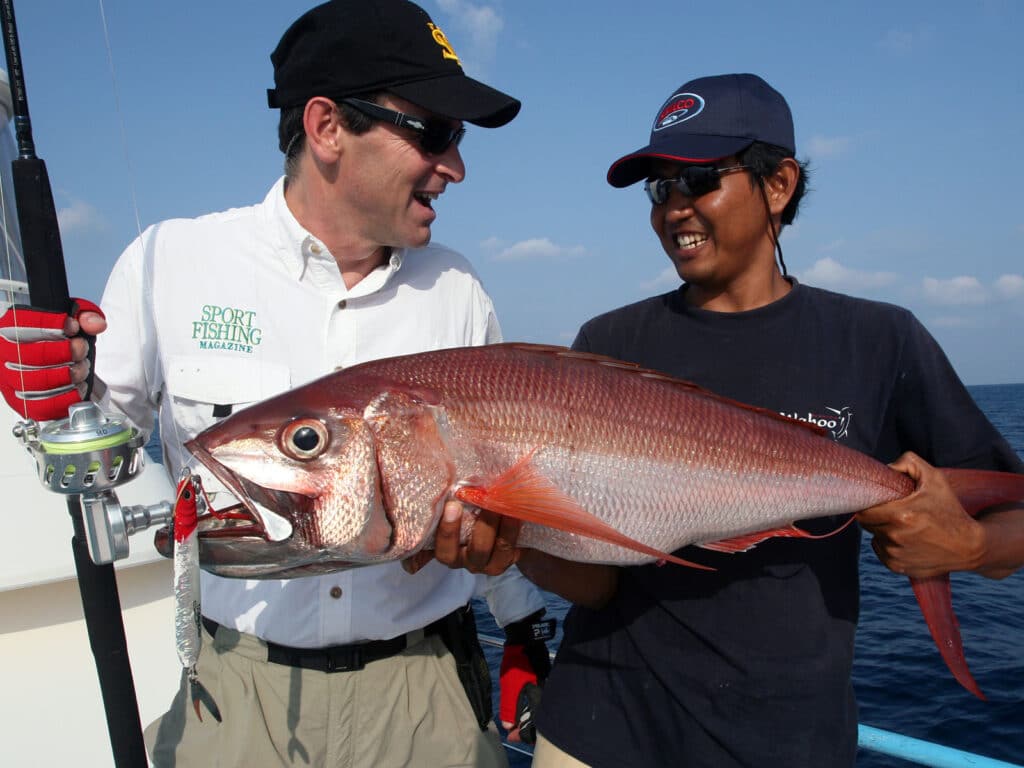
pixel 707 119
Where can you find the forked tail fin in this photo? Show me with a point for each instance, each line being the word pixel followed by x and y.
pixel 935 597
pixel 976 489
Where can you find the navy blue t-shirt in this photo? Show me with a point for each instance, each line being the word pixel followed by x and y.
pixel 749 665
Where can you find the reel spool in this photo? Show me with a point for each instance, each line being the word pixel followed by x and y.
pixel 89 454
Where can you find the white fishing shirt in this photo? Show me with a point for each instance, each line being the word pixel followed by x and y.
pixel 233 307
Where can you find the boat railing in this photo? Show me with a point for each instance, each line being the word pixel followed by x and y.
pixel 869 739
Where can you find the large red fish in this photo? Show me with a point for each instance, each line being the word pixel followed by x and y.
pixel 605 462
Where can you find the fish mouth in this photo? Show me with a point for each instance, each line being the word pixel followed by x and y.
pixel 253 516
pixel 235 541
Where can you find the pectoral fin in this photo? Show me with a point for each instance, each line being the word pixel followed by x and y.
pixel 525 494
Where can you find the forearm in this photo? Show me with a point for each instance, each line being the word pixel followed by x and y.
pixel 588 584
pixel 1003 551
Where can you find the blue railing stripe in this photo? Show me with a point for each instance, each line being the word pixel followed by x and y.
pixel 923 752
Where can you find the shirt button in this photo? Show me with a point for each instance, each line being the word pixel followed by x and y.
pixel 315 248
pixel 342 304
pixel 335 592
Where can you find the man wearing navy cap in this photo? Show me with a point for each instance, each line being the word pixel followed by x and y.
pixel 749 664
pixel 370 667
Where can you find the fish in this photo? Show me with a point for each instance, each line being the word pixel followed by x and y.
pixel 602 460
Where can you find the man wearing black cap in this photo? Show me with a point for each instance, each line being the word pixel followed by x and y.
pixel 372 666
pixel 749 664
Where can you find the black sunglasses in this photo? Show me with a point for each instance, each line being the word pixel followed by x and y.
pixel 692 181
pixel 435 136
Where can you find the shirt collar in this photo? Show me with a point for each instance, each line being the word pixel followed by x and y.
pixel 295 244
pixel 380 277
pixel 300 250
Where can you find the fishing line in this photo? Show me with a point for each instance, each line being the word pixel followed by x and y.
pixel 146 312
pixel 120 118
pixel 9 289
pixel 25 149
pixel 189 460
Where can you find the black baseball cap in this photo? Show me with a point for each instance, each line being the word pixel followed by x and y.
pixel 352 47
pixel 707 119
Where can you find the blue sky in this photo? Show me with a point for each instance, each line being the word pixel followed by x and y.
pixel 909 112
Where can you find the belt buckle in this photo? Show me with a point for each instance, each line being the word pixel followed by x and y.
pixel 345 660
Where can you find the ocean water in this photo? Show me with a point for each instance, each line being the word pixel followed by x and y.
pixel 902 684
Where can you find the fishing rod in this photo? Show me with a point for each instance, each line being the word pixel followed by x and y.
pixel 88 454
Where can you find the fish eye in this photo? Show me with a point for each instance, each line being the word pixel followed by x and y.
pixel 304 439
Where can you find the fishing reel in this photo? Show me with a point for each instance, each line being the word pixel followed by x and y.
pixel 89 454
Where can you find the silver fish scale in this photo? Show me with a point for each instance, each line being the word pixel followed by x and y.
pixel 698 473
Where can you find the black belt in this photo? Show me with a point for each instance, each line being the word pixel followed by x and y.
pixel 335 658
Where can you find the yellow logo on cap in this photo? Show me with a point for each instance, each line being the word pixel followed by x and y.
pixel 440 39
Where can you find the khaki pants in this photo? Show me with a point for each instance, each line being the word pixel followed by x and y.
pixel 547 755
pixel 407 710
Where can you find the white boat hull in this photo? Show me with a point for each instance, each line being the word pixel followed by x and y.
pixel 51 707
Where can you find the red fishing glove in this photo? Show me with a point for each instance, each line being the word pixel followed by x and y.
pixel 525 666
pixel 35 360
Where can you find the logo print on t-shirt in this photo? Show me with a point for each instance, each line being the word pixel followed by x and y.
pixel 835 420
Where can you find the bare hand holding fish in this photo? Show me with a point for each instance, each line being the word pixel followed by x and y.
pixel 490 548
pixel 928 533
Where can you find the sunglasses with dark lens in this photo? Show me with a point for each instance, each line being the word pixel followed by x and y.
pixel 692 181
pixel 435 136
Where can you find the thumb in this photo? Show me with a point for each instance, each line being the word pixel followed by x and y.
pixel 92 323
pixel 910 465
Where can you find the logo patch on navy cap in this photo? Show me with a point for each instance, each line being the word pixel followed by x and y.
pixel 682 106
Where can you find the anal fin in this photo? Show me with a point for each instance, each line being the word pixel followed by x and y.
pixel 748 541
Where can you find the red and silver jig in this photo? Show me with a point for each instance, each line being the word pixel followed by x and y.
pixel 187 637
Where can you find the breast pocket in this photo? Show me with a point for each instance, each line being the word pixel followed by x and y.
pixel 204 390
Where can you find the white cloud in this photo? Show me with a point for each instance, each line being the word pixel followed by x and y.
pixel 539 248
pixel 829 273
pixel 896 41
pixel 480 23
pixel 78 217
pixel 825 146
pixel 1010 286
pixel 956 291
pixel 953 321
pixel 668 278
pixel 904 41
